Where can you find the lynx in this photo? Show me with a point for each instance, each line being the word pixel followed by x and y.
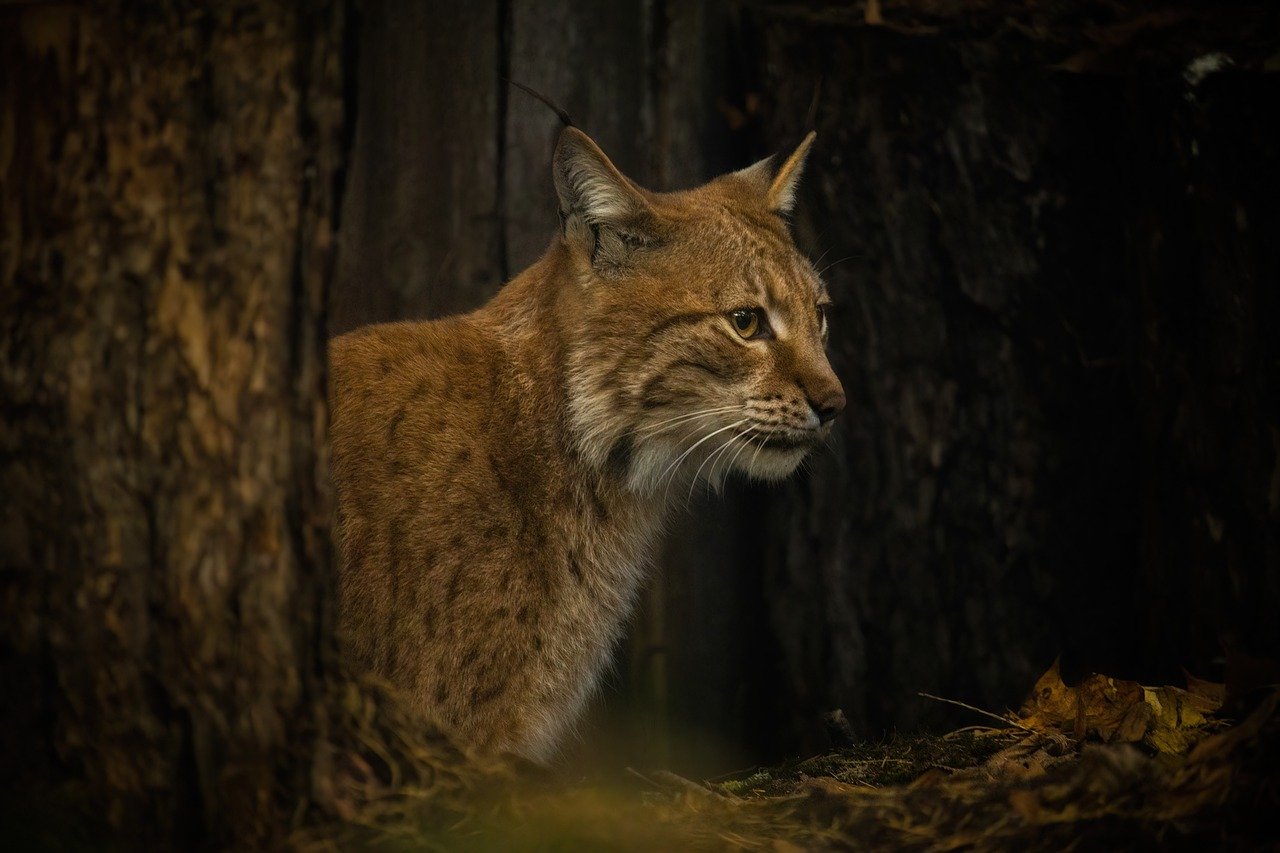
pixel 503 476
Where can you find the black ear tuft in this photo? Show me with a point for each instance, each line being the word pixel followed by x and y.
pixel 601 212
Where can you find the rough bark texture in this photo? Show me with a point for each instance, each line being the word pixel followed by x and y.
pixel 166 200
pixel 1055 294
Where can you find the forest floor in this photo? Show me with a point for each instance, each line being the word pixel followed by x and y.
pixel 1106 764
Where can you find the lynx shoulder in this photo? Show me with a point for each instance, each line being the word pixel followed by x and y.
pixel 502 476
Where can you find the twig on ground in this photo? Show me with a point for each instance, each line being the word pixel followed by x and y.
pixel 1006 720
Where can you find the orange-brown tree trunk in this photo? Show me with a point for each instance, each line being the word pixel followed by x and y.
pixel 166 217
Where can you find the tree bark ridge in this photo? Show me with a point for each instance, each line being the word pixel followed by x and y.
pixel 169 214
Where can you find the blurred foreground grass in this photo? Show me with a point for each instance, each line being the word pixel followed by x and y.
pixel 1081 767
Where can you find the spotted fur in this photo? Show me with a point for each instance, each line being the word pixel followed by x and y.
pixel 503 475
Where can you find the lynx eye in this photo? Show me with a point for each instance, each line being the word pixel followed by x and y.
pixel 748 322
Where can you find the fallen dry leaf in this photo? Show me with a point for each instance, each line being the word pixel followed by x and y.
pixel 1178 717
pixel 1168 719
pixel 1113 710
pixel 1051 702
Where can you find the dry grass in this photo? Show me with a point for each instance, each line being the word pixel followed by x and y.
pixel 988 788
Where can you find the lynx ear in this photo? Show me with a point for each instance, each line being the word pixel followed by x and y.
pixel 779 189
pixel 602 213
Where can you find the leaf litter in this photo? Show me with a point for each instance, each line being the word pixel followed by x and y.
pixel 1103 764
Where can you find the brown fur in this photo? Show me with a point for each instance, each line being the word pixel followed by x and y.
pixel 503 475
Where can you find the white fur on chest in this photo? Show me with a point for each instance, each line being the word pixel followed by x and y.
pixel 589 620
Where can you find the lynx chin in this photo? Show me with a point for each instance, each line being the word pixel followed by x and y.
pixel 503 475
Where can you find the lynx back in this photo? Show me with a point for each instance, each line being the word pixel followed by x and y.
pixel 503 475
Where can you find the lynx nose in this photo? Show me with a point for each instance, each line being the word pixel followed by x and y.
pixel 830 405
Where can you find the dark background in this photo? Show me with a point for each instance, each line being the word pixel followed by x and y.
pixel 1053 247
pixel 1051 234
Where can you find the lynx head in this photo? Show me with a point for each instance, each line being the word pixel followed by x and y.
pixel 697 329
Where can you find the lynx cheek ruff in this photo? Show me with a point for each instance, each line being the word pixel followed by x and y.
pixel 502 476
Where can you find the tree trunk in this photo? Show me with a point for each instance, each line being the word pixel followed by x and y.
pixel 421 227
pixel 1055 294
pixel 166 217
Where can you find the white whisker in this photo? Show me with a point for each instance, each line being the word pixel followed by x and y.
pixel 693 485
pixel 654 428
pixel 671 469
pixel 599 436
pixel 823 271
pixel 746 442
pixel 764 439
pixel 689 433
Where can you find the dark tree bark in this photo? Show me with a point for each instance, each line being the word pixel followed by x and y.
pixel 1063 405
pixel 1055 290
pixel 449 192
pixel 422 228
pixel 166 200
